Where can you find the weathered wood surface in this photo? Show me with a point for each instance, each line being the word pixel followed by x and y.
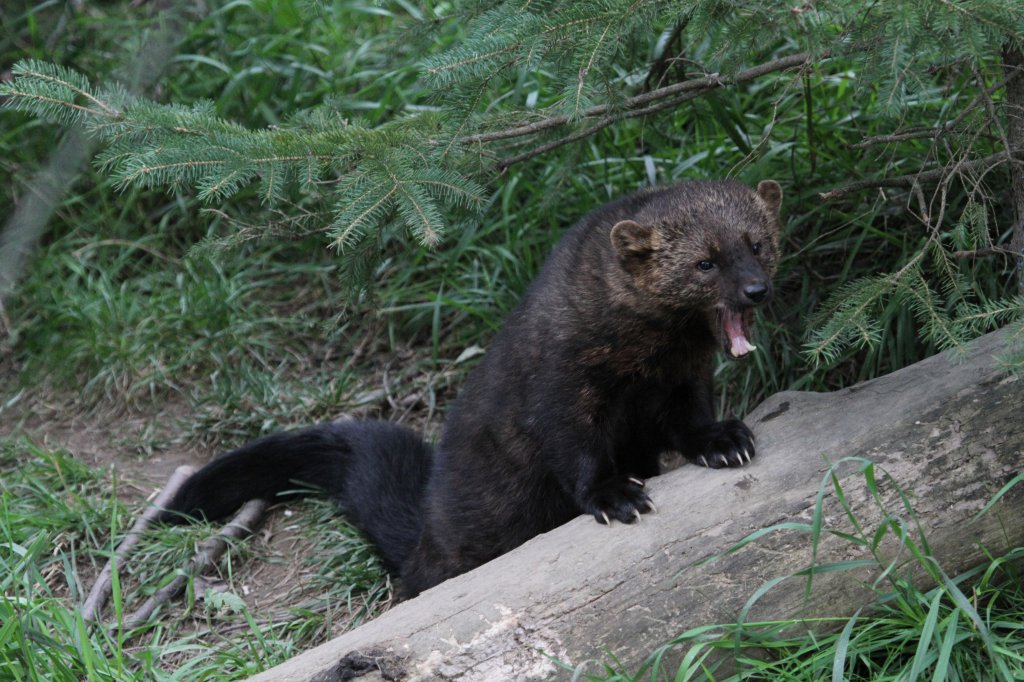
pixel 949 433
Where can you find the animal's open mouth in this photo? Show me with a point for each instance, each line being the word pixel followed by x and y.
pixel 735 328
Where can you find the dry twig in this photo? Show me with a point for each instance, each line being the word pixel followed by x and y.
pixel 101 589
pixel 209 552
pixel 982 253
pixel 938 131
pixel 909 180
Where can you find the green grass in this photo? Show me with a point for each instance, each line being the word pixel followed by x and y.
pixel 122 304
pixel 938 634
pixel 52 510
pixel 57 518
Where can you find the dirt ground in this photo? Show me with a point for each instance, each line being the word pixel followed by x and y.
pixel 274 573
pixel 100 438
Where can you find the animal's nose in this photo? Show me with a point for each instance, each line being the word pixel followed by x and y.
pixel 755 292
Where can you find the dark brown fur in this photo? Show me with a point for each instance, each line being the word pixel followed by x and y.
pixel 606 363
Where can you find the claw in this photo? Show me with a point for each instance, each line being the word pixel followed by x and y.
pixel 636 481
pixel 723 460
pixel 704 461
pixel 607 521
pixel 653 509
pixel 637 515
pixel 747 455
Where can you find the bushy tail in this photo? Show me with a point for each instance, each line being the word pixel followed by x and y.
pixel 375 471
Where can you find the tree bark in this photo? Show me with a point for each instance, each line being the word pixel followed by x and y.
pixel 948 431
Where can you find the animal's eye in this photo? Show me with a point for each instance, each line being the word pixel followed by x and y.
pixel 756 248
pixel 705 265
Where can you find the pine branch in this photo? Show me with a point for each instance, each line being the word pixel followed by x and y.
pixel 984 317
pixel 635 106
pixel 357 212
pixel 936 324
pixel 66 85
pixel 846 319
pixel 928 176
pixel 151 144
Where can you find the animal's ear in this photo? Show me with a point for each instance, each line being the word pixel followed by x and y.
pixel 771 194
pixel 632 240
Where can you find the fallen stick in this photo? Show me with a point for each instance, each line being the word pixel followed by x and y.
pixel 209 552
pixel 97 598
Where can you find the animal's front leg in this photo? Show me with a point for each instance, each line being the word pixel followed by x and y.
pixel 702 439
pixel 585 467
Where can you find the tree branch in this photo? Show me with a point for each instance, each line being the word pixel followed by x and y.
pixel 982 253
pixel 909 180
pixel 554 144
pixel 637 105
pixel 939 131
pixel 504 164
pixel 573 595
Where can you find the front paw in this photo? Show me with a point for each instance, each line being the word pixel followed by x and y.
pixel 622 498
pixel 722 444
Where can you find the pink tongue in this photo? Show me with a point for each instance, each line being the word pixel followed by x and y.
pixel 738 344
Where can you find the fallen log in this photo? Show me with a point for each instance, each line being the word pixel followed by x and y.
pixel 947 434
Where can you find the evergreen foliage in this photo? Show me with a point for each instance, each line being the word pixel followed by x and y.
pixel 948 318
pixel 384 169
